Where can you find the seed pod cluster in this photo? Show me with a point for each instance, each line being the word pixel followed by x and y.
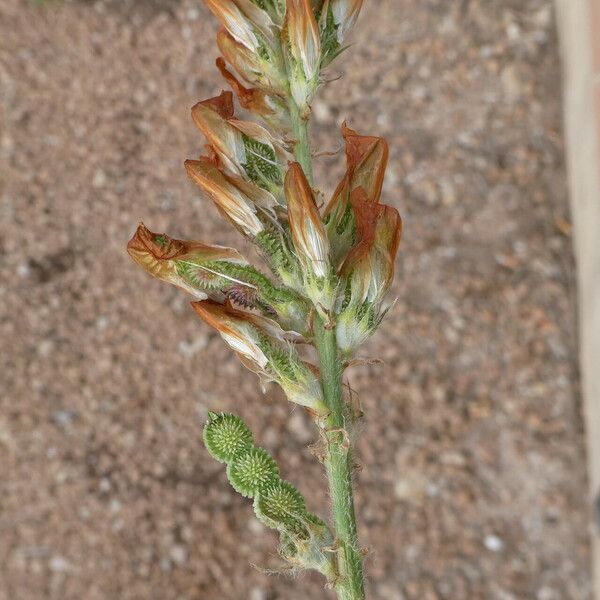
pixel 253 473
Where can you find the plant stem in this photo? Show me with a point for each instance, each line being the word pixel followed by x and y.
pixel 338 462
pixel 302 149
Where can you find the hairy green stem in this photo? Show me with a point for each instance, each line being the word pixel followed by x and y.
pixel 338 462
pixel 302 147
pixel 349 584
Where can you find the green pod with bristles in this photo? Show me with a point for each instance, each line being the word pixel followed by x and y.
pixel 226 436
pixel 252 471
pixel 281 506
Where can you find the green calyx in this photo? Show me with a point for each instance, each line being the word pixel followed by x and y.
pixel 247 287
pixel 244 274
pixel 281 259
pixel 321 291
pixel 284 364
pixel 199 276
pixel 226 436
pixel 297 380
pixel 330 45
pixel 312 548
pixel 261 164
pixel 263 51
pixel 356 323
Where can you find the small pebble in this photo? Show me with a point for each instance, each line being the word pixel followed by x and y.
pixel 493 543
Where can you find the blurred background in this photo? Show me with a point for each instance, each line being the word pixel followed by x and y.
pixel 473 482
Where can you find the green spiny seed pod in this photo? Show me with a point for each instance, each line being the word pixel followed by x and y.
pixel 281 506
pixel 252 471
pixel 226 436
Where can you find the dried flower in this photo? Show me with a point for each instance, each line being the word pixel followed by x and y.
pixel 309 238
pixel 184 264
pixel 245 21
pixel 243 148
pixel 345 13
pixel 239 202
pixel 304 45
pixel 370 263
pixel 252 66
pixel 308 231
pixel 264 348
pixel 218 273
pixel 366 161
pixel 304 38
pixel 270 108
pixel 368 270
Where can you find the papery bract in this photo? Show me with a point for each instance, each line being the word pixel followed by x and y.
pixel 236 204
pixel 345 13
pixel 368 270
pixel 307 229
pixel 250 65
pixel 366 162
pixel 270 108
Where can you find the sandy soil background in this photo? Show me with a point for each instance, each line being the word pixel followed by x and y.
pixel 473 482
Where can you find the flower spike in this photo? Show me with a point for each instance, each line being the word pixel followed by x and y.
pixel 330 269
